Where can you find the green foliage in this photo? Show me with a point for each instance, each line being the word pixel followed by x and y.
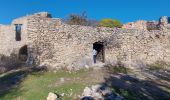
pixel 128 95
pixel 37 85
pixel 118 68
pixel 110 23
pixel 158 65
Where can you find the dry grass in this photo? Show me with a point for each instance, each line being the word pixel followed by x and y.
pixel 159 65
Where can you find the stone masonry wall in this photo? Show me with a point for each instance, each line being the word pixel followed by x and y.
pixel 57 44
pixel 8 44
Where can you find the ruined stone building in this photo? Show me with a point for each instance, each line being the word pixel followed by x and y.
pixel 140 24
pixel 50 42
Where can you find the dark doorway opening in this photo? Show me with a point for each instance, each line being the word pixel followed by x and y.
pixel 23 53
pixel 99 47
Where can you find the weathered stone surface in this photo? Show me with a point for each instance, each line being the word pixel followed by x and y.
pixel 87 92
pixel 52 96
pixel 140 24
pixel 163 21
pixel 98 92
pixel 57 45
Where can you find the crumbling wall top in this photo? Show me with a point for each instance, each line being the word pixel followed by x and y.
pixel 43 14
pixel 163 21
pixel 21 20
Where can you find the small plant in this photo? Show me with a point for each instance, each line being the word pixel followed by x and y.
pixel 158 65
pixel 81 19
pixel 118 68
pixel 128 95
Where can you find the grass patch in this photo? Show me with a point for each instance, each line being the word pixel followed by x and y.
pixel 119 68
pixel 158 65
pixel 127 95
pixel 37 85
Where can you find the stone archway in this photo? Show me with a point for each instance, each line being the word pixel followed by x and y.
pixel 23 53
pixel 99 47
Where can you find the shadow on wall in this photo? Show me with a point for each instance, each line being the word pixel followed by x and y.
pixel 14 61
pixel 9 62
pixel 23 53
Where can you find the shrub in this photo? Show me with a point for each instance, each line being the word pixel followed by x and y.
pixel 75 19
pixel 81 19
pixel 110 23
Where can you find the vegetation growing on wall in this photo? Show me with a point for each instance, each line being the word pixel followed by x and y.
pixel 158 65
pixel 110 23
pixel 77 20
pixel 81 19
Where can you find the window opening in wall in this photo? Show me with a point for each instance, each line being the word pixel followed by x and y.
pixel 18 28
pixel 98 52
pixel 168 20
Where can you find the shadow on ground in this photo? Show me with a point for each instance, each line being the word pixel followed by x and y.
pixel 13 79
pixel 156 87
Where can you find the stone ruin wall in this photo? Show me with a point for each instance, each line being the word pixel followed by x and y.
pixel 8 44
pixel 53 43
pixel 57 44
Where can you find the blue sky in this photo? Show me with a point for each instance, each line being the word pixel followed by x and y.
pixel 124 10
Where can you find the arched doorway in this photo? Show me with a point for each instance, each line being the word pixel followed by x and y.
pixel 99 47
pixel 23 53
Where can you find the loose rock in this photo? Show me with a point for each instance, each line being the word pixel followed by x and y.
pixel 52 96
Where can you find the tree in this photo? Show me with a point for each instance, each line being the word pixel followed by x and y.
pixel 75 19
pixel 110 23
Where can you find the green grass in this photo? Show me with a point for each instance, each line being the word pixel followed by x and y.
pixel 158 65
pixel 118 69
pixel 36 86
pixel 128 95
